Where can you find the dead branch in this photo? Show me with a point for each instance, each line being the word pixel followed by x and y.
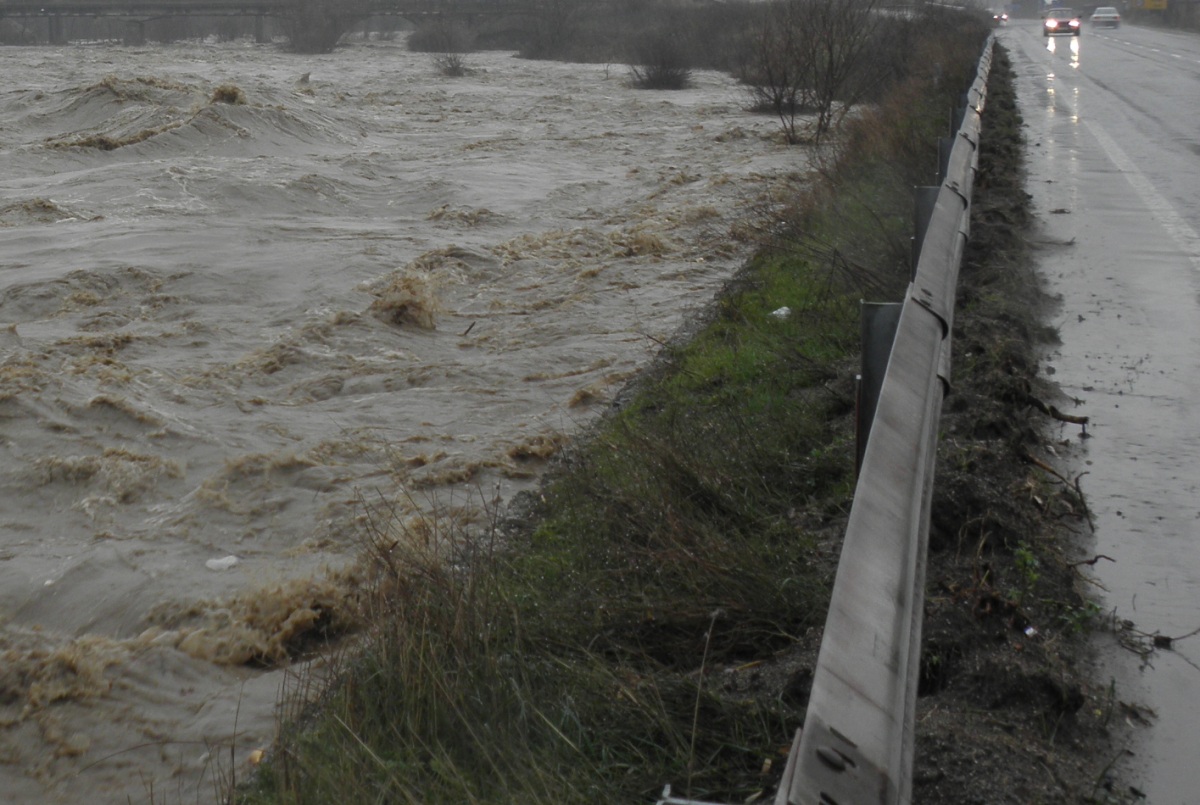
pixel 1037 462
pixel 1092 561
pixel 1051 411
pixel 1162 640
pixel 1074 420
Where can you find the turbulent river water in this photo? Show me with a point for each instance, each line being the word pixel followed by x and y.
pixel 246 296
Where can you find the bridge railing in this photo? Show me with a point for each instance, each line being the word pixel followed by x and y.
pixel 100 8
pixel 166 8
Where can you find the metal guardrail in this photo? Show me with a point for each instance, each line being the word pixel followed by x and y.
pixel 856 745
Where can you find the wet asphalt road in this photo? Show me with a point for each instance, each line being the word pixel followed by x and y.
pixel 1113 130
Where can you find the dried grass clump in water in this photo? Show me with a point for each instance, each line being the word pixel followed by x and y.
pixel 228 93
pixel 42 210
pixel 133 89
pixel 17 377
pixel 121 405
pixel 469 217
pixel 105 342
pixel 35 673
pixel 541 446
pixel 240 485
pixel 588 395
pixel 107 143
pixel 264 465
pixel 693 215
pixel 640 243
pixel 81 299
pixel 124 475
pixel 408 299
pixel 578 247
pixel 275 358
pixel 557 244
pixel 267 625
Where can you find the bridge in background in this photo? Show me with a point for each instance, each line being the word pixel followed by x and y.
pixel 139 12
pixel 167 8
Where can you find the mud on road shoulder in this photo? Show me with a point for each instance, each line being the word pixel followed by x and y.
pixel 1010 709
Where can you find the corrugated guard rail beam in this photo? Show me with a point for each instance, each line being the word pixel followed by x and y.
pixel 856 746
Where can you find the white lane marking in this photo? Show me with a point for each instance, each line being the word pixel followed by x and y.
pixel 1178 229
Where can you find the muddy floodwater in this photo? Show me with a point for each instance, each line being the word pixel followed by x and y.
pixel 248 296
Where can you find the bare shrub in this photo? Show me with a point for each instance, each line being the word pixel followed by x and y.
pixel 660 62
pixel 452 65
pixel 441 36
pixel 228 93
pixel 816 57
pixel 316 26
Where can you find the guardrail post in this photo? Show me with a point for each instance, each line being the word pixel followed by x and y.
pixel 924 200
pixel 945 146
pixel 879 320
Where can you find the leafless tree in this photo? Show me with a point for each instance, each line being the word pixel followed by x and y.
pixel 813 57
pixel 843 33
pixel 779 67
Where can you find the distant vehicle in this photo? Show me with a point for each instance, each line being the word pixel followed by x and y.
pixel 999 17
pixel 1106 17
pixel 1061 21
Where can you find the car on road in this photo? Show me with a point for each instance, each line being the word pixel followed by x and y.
pixel 1061 21
pixel 999 17
pixel 1105 17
